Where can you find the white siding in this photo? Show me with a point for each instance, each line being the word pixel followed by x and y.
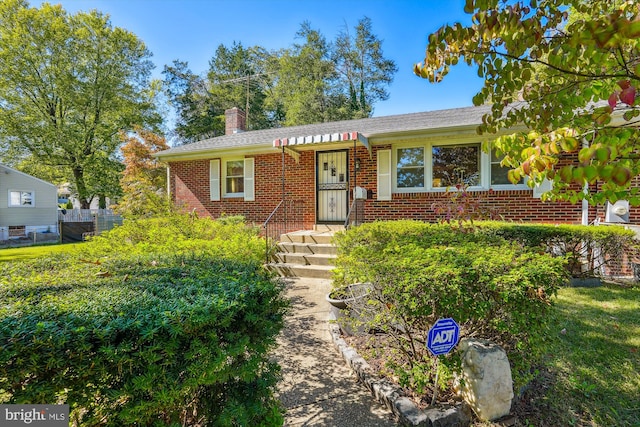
pixel 44 211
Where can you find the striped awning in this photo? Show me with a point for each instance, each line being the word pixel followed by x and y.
pixel 292 142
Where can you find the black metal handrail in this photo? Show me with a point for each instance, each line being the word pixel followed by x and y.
pixel 286 217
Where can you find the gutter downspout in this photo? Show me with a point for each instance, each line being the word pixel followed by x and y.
pixel 585 190
pixel 283 189
pixel 168 181
pixel 355 177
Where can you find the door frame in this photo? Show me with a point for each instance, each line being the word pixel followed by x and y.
pixel 318 190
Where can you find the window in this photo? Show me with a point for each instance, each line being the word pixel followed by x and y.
pixel 17 231
pixel 410 167
pixel 499 174
pixel 21 199
pixel 237 178
pixel 456 164
pixel 234 177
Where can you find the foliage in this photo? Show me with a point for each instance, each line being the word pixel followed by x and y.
pixel 495 289
pixel 588 249
pixel 309 82
pixel 567 70
pixel 144 178
pixel 463 206
pixel 188 95
pixel 237 77
pixel 363 68
pixel 68 84
pixel 177 233
pixel 128 334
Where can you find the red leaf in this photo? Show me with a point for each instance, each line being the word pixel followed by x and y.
pixel 628 95
pixel 613 99
pixel 624 84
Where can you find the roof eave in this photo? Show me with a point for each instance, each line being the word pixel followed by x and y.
pixel 214 152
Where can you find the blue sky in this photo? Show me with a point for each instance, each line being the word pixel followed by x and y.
pixel 191 30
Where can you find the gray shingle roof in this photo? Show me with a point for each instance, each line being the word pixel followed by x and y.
pixel 370 127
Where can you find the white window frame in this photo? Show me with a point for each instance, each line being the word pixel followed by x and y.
pixel 482 164
pixel 485 168
pixel 521 186
pixel 33 199
pixel 218 171
pixel 225 192
pixel 394 168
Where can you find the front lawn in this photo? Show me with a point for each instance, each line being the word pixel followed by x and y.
pixel 592 374
pixel 30 252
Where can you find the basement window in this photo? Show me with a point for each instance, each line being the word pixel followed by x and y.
pixel 17 231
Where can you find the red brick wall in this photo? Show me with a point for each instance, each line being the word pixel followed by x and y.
pixel 189 183
pixel 190 186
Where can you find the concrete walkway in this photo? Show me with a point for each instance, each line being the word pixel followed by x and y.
pixel 318 388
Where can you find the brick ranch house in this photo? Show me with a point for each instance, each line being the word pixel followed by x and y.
pixel 392 167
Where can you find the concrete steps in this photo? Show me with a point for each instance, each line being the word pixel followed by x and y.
pixel 306 253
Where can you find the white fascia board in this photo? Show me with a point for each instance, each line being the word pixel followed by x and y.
pixel 212 152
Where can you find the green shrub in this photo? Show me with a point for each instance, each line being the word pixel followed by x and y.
pixel 227 237
pixel 142 339
pixel 495 289
pixel 588 249
pixel 158 321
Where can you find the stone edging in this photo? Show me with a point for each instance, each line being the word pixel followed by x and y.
pixel 393 397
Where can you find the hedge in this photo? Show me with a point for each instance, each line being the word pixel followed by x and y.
pixel 226 237
pixel 494 288
pixel 144 338
pixel 589 250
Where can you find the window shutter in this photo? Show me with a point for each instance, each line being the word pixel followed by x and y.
pixel 249 186
pixel 214 179
pixel 543 187
pixel 384 175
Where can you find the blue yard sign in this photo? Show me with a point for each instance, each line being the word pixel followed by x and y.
pixel 443 336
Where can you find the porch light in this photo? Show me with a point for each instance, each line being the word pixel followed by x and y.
pixel 357 165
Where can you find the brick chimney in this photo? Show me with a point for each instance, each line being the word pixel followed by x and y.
pixel 235 120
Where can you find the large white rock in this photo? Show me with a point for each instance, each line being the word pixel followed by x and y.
pixel 486 383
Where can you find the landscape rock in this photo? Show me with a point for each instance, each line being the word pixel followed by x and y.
pixel 486 383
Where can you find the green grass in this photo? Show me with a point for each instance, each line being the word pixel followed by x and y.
pixel 29 252
pixel 593 359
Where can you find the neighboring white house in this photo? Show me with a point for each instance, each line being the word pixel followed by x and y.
pixel 27 205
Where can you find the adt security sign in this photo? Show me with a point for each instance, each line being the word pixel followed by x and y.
pixel 443 336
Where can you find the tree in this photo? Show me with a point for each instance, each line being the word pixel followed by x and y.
pixel 196 114
pixel 237 77
pixel 68 85
pixel 312 81
pixel 307 79
pixel 144 179
pixel 568 70
pixel 363 68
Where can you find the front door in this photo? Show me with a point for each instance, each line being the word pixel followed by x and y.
pixel 333 186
